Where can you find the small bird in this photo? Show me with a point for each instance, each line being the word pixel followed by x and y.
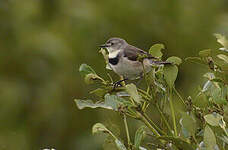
pixel 123 59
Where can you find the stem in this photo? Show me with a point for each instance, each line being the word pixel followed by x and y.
pixel 145 93
pixel 164 119
pixel 102 80
pixel 148 90
pixel 155 126
pixel 112 134
pixel 148 97
pixel 110 77
pixel 147 123
pixel 178 94
pixel 224 129
pixel 172 112
pixel 127 132
pixel 194 138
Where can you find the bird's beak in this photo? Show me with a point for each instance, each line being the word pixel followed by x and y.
pixel 103 46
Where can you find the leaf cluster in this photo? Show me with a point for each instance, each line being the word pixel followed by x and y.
pixel 200 125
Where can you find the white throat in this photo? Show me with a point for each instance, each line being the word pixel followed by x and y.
pixel 113 54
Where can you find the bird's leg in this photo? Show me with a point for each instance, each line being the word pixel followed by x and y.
pixel 118 83
pixel 140 79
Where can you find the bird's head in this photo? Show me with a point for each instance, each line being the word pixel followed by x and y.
pixel 114 44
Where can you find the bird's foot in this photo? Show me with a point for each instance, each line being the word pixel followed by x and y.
pixel 118 83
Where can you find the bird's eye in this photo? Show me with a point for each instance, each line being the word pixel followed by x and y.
pixel 111 43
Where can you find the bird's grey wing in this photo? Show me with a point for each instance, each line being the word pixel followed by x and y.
pixel 132 53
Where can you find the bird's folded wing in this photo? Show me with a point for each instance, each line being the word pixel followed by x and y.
pixel 132 53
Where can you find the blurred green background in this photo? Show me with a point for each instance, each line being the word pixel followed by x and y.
pixel 43 43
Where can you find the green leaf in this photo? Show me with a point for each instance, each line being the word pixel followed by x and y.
pixel 142 148
pixel 195 60
pixel 223 57
pixel 174 60
pixel 91 78
pixel 89 73
pixel 98 127
pixel 213 119
pixel 185 132
pixel 120 145
pixel 208 86
pixel 99 92
pixel 222 40
pixel 132 90
pixel 170 74
pixel 86 69
pixel 115 101
pixel 109 143
pixel 201 100
pixel 205 53
pixel 224 139
pixel 217 96
pixel 81 104
pixel 209 138
pixel 209 75
pixel 201 146
pixel 217 80
pixel 108 67
pixel 220 59
pixel 111 100
pixel 139 137
pixel 178 142
pixel 104 53
pixel 155 50
pixel 188 123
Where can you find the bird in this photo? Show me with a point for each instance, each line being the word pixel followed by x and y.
pixel 123 59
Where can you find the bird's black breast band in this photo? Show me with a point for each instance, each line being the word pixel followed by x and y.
pixel 114 61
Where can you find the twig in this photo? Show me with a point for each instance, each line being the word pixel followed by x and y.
pixel 164 119
pixel 146 94
pixel 152 123
pixel 172 111
pixel 127 131
pixel 178 94
pixel 147 123
pixel 148 97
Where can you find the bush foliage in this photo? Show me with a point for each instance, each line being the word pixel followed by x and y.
pixel 200 125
